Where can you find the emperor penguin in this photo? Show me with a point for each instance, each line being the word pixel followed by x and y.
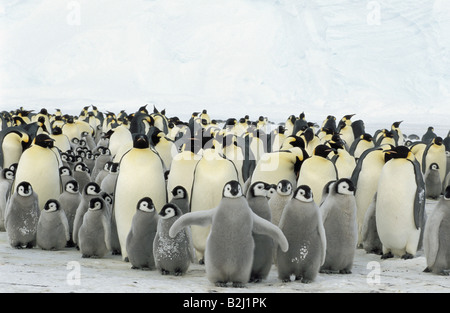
pixel 436 234
pixel 400 204
pixel 264 245
pixel 81 174
pixel 365 178
pixel 62 142
pixel 100 161
pixel 395 128
pixel 6 180
pixel 435 153
pixel 141 235
pixel 429 135
pixel 39 166
pixel 22 216
pixel 433 182
pixel 165 147
pixel 172 255
pixel 65 173
pixel 302 225
pixel 345 129
pixel 280 199
pixel 141 175
pixel 69 200
pixel 13 142
pixel 211 173
pixel 109 182
pixel 339 221
pixel 361 144
pixel 344 162
pixel 370 240
pixel 317 170
pixel 95 231
pixel 180 199
pixel 53 228
pixel 230 244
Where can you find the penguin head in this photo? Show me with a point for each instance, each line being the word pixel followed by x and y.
pixel 399 152
pixel 438 141
pixel 258 189
pixel 434 166
pixel 80 167
pixel 169 210
pixel 271 190
pixel 114 168
pixel 96 204
pixel 284 187
pixel 44 141
pixel 107 197
pixel 322 150
pixel 71 186
pixel 179 192
pixel 396 124
pixel 65 171
pixel 24 189
pixel 8 174
pixel 141 142
pixel 146 205
pixel 303 193
pixel 447 193
pixel 367 137
pixel 107 165
pixel 13 167
pixel 232 189
pixel 92 188
pixel 52 205
pixel 344 186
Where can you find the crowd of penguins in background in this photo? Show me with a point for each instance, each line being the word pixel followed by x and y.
pixel 236 195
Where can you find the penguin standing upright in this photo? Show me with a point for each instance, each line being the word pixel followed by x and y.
pixel 39 166
pixel 22 216
pixel 6 180
pixel 180 199
pixel 172 255
pixel 53 228
pixel 69 200
pixel 13 141
pixel 400 204
pixel 435 153
pixel 280 199
pixel 141 175
pixel 230 244
pixel 433 183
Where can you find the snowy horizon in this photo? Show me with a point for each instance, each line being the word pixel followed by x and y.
pixel 380 60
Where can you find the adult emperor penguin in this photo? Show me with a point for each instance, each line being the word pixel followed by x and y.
pixel 141 235
pixel 13 141
pixel 433 183
pixel 94 237
pixel 302 225
pixel 172 255
pixel 339 221
pixel 39 165
pixel 369 234
pixel 395 128
pixel 429 135
pixel 400 204
pixel 22 216
pixel 316 171
pixel 69 200
pixel 230 244
pixel 361 144
pixel 53 228
pixel 436 234
pixel 344 162
pixel 141 175
pixel 264 246
pixel 280 199
pixel 365 178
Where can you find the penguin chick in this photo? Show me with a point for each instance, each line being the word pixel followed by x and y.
pixel 433 183
pixel 69 201
pixel 302 225
pixel 279 200
pixel 172 255
pixel 436 234
pixel 95 231
pixel 140 238
pixel 370 240
pixel 264 246
pixel 6 180
pixel 22 216
pixel 81 175
pixel 53 227
pixel 180 199
pixel 230 244
pixel 339 220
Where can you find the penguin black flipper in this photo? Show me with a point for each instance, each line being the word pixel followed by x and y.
pixel 249 163
pixel 359 164
pixel 353 146
pixel 419 200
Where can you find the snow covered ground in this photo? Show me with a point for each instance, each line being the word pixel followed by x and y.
pixel 38 271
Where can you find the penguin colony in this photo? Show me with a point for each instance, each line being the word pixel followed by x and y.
pixel 239 196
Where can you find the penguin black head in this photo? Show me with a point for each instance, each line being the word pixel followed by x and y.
pixel 52 205
pixel 344 186
pixel 107 197
pixel 145 205
pixel 169 210
pixel 367 137
pixel 322 150
pixel 80 167
pixel 44 141
pixel 434 166
pixel 114 168
pixel 141 142
pixel 303 193
pixel 24 189
pixel 396 124
pixel 179 192
pixel 8 174
pixel 284 187
pixel 96 204
pixel 438 141
pixel 399 152
pixel 56 130
pixel 259 189
pixel 296 141
pixel 65 171
pixel 92 188
pixel 13 167
pixel 232 189
pixel 271 189
pixel 71 186
pixel 447 193
pixel 309 134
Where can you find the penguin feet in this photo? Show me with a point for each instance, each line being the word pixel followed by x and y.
pixel 306 281
pixel 221 284
pixel 238 284
pixel 116 252
pixel 407 256
pixel 444 273
pixel 201 261
pixel 164 272
pixel 387 255
pixel 29 245
pixel 345 271
pixel 178 272
pixel 427 270
pixel 255 279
